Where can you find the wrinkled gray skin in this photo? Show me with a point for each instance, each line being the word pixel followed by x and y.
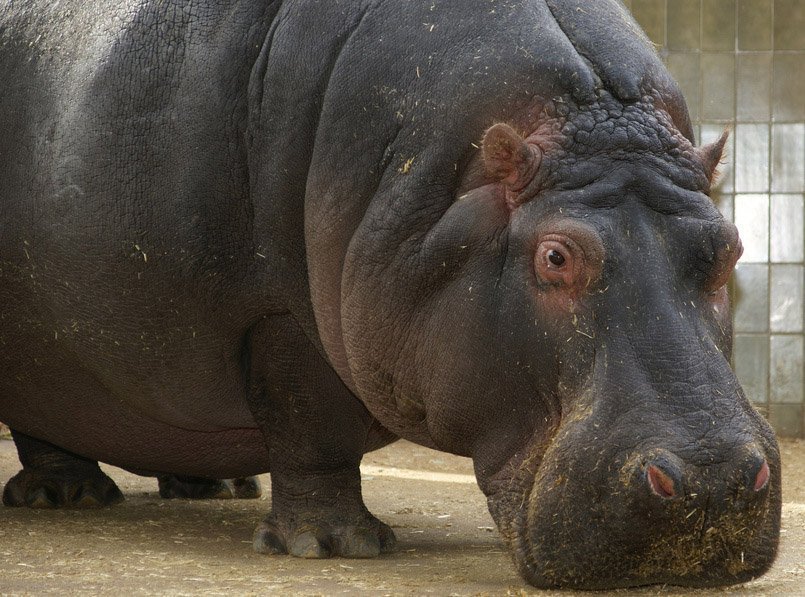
pixel 250 236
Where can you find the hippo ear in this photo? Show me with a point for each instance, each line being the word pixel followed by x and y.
pixel 507 156
pixel 711 155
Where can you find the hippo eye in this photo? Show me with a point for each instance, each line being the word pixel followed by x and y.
pixel 556 258
pixel 568 259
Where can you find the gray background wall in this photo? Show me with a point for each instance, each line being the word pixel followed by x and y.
pixel 741 64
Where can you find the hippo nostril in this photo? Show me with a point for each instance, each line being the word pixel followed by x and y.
pixel 660 482
pixel 762 477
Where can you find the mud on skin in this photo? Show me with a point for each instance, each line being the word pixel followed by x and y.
pixel 273 236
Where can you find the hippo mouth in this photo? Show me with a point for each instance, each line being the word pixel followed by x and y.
pixel 577 533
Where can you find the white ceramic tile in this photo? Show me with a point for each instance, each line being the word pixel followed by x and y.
pixel 751 158
pixel 752 220
pixel 785 302
pixel 787 228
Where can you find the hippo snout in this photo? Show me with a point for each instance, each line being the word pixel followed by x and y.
pixel 660 516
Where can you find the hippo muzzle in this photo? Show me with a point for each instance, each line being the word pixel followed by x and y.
pixel 636 490
pixel 650 518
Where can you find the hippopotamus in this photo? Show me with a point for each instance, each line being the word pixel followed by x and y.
pixel 250 236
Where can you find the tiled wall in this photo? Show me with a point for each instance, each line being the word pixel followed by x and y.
pixel 741 63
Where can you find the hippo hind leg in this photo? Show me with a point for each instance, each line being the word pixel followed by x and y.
pixel 54 478
pixel 200 488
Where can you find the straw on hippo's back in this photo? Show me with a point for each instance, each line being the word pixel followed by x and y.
pixel 251 236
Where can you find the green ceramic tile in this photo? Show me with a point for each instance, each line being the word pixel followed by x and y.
pixel 718 86
pixel 785 298
pixel 788 91
pixel 683 24
pixel 750 355
pixel 754 24
pixel 789 24
pixel 788 158
pixel 725 202
pixel 718 24
pixel 787 419
pixel 754 86
pixel 651 16
pixel 684 67
pixel 785 368
pixel 750 289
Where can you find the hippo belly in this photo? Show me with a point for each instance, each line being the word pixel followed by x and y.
pixel 112 430
pixel 160 394
pixel 136 443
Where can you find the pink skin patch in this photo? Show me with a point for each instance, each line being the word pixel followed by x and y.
pixel 762 477
pixel 660 483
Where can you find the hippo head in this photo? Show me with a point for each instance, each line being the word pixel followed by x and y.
pixel 566 323
pixel 652 467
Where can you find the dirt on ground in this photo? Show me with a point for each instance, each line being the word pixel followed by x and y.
pixel 447 544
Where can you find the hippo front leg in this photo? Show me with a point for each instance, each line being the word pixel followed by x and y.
pixel 316 431
pixel 54 478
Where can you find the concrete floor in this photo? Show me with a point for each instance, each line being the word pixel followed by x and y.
pixel 447 543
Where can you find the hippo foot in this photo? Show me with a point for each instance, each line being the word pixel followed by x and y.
pixel 199 488
pixel 50 489
pixel 319 538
